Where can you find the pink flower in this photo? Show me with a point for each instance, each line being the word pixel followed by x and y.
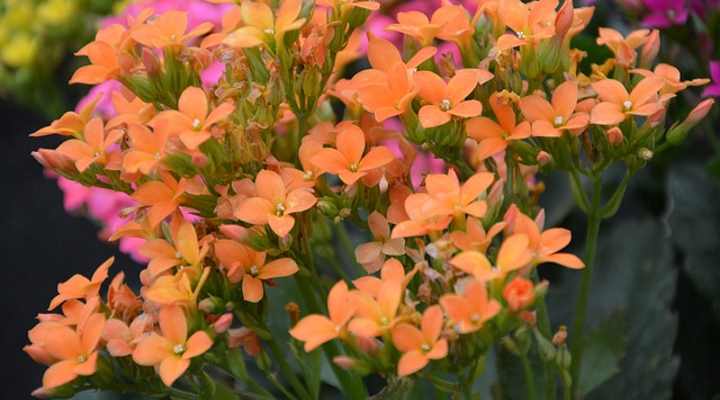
pixel 714 89
pixel 666 13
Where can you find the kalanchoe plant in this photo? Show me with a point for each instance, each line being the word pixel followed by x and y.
pixel 240 180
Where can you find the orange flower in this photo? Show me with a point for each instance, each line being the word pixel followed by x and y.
pixel 274 204
pixel 121 300
pixel 494 137
pixel 71 123
pixel 469 311
pixel 416 25
pixel 171 290
pixel 392 271
pixel 347 160
pixel 104 57
pixel 671 76
pixel 545 245
pixel 519 293
pixel 549 120
pixel 171 352
pixel 231 20
pixel 162 197
pixel 316 329
pixel 121 339
pixel 448 99
pixel 449 198
pixel 73 351
pixel 243 263
pixel 348 4
pixel 375 316
pixel 80 287
pixel 130 109
pixel 169 30
pixel 530 22
pixel 192 122
pixel 371 255
pixel 419 346
pixel 475 238
pixel 147 151
pixel 387 89
pixel 617 104
pixel 513 255
pixel 261 24
pixel 92 147
pixel 422 217
pixel 623 48
pixel 185 250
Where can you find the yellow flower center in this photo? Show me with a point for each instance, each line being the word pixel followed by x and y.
pixel 353 167
pixel 254 270
pixel 158 156
pixel 82 358
pixel 269 31
pixel 558 121
pixel 308 175
pixel 627 105
pixel 280 210
pixel 475 318
pixel 425 347
pixel 384 321
pixel 196 124
pixel 179 349
pixel 173 37
pixel 521 35
pixel 445 104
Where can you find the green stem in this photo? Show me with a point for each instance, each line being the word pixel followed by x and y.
pixel 352 387
pixel 544 325
pixel 286 371
pixel 577 334
pixel 529 378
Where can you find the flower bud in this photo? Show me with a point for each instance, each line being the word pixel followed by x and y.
pixel 54 160
pixel 650 50
pixel 614 136
pixel 564 19
pixel 645 154
pixel 246 338
pixel 211 305
pixel 235 232
pixel 344 362
pixel 560 336
pixel 293 311
pixel 327 206
pixel 543 158
pixel 519 294
pixel 223 323
pixel 151 62
pixel 679 132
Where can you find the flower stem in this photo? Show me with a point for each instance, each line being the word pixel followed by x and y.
pixel 529 378
pixel 593 228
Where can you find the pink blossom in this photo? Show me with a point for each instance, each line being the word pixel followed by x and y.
pixel 714 89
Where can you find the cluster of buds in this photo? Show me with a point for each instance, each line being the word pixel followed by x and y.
pixel 240 174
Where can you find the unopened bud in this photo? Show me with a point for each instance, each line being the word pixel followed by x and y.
pixel 564 19
pixel 519 293
pixel 645 154
pixel 223 323
pixel 246 338
pixel 344 362
pixel 615 136
pixel 293 311
pixel 650 50
pixel 151 62
pixel 327 206
pixel 543 158
pixel 560 336
pixel 679 132
pixel 54 160
pixel 211 305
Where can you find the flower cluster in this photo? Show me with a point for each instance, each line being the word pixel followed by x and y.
pixel 240 177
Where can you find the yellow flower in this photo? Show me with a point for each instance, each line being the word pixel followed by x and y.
pixel 261 24
pixel 19 51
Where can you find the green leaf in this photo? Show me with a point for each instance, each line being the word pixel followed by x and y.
pixel 694 221
pixel 605 347
pixel 634 274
